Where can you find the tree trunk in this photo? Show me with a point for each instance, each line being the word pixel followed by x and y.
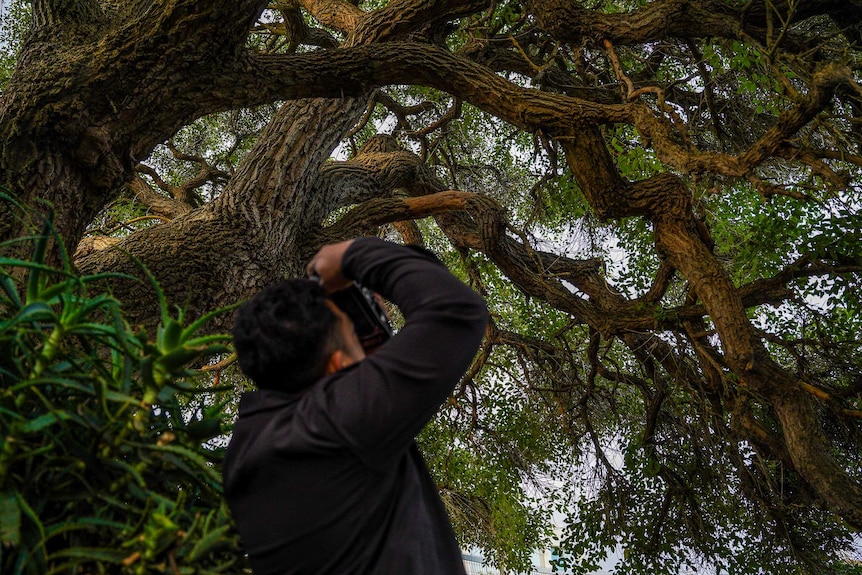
pixel 94 91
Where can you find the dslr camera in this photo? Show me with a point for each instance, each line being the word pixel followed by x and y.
pixel 369 318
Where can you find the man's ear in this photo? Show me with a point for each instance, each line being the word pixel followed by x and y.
pixel 337 360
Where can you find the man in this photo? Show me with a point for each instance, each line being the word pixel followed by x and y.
pixel 322 473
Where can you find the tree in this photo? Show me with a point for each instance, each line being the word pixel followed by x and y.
pixel 716 142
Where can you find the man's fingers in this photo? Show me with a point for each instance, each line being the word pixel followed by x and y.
pixel 310 272
pixel 326 265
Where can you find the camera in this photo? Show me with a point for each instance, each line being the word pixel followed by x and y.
pixel 367 314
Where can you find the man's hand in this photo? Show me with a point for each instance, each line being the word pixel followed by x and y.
pixel 326 264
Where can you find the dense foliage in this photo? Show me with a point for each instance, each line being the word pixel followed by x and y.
pixel 106 463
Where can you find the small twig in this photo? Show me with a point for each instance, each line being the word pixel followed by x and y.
pixel 708 92
pixel 618 70
pixel 363 121
pixel 767 190
pixel 453 113
pixel 150 171
pixel 785 25
pixel 539 70
pixel 220 365
pixel 128 224
pixel 175 569
pixel 815 391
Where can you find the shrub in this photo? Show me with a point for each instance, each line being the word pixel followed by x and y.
pixel 106 458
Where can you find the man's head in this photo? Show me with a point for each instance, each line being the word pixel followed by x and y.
pixel 290 335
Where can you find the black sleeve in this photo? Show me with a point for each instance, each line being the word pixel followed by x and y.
pixel 379 405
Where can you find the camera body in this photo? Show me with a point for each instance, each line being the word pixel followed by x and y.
pixel 367 314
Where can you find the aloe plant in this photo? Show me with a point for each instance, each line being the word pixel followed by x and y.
pixel 102 467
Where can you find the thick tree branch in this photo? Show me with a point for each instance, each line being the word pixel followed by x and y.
pixel 159 204
pixel 365 67
pixel 336 14
pixel 401 17
pixel 373 175
pixel 273 188
pixel 664 19
pixel 536 273
pixel 348 71
pixel 298 32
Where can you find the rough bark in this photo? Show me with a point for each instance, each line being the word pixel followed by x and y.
pixel 87 102
pixel 273 201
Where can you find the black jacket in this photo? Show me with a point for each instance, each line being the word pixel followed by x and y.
pixel 330 480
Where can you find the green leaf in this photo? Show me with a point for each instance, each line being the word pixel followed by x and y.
pixel 204 429
pixel 10 519
pixel 192 328
pixel 44 421
pixel 33 517
pixel 36 311
pixel 119 397
pixel 177 358
pixel 170 334
pixel 92 554
pixel 34 283
pixel 128 469
pixel 201 464
pixel 210 542
pixel 9 287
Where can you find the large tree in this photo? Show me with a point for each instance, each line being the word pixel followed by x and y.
pixel 710 379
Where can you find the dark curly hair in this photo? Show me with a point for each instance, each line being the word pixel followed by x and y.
pixel 284 335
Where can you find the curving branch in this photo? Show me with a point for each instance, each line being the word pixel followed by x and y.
pixel 660 132
pixel 207 173
pixel 538 274
pixel 530 109
pixel 349 71
pixel 298 32
pixel 401 17
pixel 336 14
pixel 157 203
pixel 450 115
pixel 666 19
pixel 401 112
pixel 373 175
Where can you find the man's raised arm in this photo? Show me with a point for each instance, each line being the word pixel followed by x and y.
pixel 381 403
